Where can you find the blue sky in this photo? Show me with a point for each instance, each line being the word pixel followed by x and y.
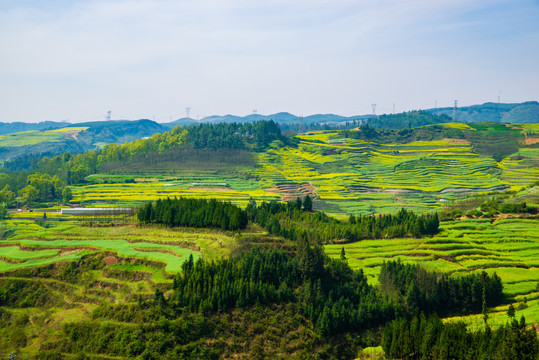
pixel 75 60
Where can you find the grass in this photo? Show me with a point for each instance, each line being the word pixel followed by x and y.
pixel 14 253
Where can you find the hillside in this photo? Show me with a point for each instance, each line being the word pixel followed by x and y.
pixel 74 138
pixel 15 127
pixel 101 133
pixel 359 171
pixel 212 267
pixel 21 140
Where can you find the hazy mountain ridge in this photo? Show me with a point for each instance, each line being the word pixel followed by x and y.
pixel 526 112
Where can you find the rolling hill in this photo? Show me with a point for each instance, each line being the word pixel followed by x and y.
pixel 74 138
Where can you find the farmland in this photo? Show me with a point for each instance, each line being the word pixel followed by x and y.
pixel 89 271
pixel 345 175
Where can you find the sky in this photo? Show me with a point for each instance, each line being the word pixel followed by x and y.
pixel 74 60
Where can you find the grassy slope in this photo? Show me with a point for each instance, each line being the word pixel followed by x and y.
pixel 33 137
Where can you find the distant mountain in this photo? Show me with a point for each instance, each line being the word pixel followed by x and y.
pixel 126 130
pixel 526 112
pixel 281 118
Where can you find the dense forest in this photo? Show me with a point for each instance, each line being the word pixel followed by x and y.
pixel 199 213
pixel 332 296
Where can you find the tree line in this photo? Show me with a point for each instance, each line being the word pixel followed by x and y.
pixel 429 292
pixel 200 213
pixel 422 338
pixel 38 187
pixel 293 219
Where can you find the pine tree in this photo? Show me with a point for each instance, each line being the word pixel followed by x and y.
pixel 307 203
pixel 343 255
pixel 511 311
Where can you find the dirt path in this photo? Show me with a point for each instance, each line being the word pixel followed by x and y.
pixel 290 191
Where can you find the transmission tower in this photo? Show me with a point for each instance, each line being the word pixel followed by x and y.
pixel 187 111
pixel 108 117
pixel 373 109
pixel 300 124
pixel 455 112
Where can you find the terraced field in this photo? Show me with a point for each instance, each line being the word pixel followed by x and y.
pixel 344 175
pixel 36 242
pixel 136 193
pixel 355 176
pixel 509 247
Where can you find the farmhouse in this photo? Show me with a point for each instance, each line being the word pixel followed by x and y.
pixel 86 212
